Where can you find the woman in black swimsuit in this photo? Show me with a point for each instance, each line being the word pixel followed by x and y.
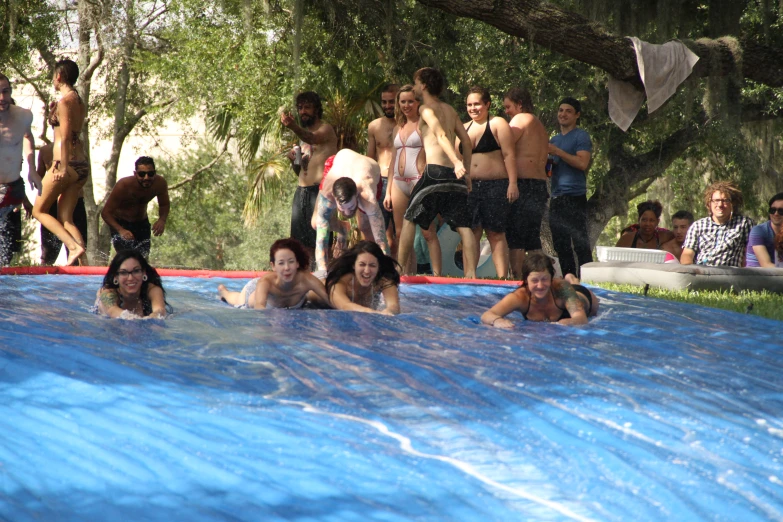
pixel 493 175
pixel 359 277
pixel 543 297
pixel 70 167
pixel 132 289
pixel 646 234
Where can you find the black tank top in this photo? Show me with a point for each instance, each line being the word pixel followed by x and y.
pixel 487 143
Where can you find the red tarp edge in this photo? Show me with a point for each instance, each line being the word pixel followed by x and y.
pixel 238 274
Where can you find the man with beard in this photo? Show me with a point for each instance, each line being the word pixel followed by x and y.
pixel 14 132
pixel 380 147
pixel 319 142
pixel 126 209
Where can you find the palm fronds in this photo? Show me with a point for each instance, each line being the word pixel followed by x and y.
pixel 266 182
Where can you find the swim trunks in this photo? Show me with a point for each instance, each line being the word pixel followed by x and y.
pixel 524 219
pixel 327 167
pixel 11 196
pixel 142 235
pixel 489 204
pixel 439 192
pixel 302 208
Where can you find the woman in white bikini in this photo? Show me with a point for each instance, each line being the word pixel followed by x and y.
pixel 287 286
pixel 408 162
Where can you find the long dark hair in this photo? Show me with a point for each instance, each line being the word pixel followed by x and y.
pixel 152 274
pixel 536 262
pixel 387 267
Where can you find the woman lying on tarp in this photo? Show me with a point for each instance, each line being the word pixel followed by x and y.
pixel 544 297
pixel 132 289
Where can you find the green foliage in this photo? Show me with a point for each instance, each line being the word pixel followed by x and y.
pixel 204 229
pixel 765 304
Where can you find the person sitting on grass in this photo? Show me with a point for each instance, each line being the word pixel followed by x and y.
pixel 132 289
pixel 544 297
pixel 357 279
pixel 289 285
pixel 646 233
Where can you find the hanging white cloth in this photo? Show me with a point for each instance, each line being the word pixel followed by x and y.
pixel 662 69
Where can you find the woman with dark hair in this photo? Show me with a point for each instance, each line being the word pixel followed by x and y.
pixel 131 289
pixel 358 278
pixel 70 168
pixel 288 285
pixel 493 175
pixel 646 233
pixel 544 297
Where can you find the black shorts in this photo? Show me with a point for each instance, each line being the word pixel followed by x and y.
pixel 489 204
pixel 50 244
pixel 142 236
pixel 302 208
pixel 585 292
pixel 439 192
pixel 527 212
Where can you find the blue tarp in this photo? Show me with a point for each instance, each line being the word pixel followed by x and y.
pixel 654 411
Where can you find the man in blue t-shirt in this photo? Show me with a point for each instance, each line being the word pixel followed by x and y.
pixel 761 243
pixel 571 151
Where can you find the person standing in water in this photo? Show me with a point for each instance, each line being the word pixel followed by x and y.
pixel 126 209
pixel 380 147
pixel 318 143
pixel 530 149
pixel 444 186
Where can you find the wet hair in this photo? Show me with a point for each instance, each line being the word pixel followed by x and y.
pixel 68 71
pixel 724 187
pixel 644 206
pixel 390 87
pixel 144 160
pixel 312 98
pixel 387 267
pixel 344 189
pixel 432 79
pixel 573 102
pixel 398 115
pixel 152 275
pixel 301 255
pixel 776 197
pixel 4 77
pixel 536 262
pixel 521 97
pixel 683 214
pixel 483 91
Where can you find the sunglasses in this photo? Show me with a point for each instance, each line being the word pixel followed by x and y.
pixel 778 211
pixel 149 173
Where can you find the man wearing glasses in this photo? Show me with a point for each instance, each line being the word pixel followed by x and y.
pixel 126 209
pixel 761 245
pixel 719 239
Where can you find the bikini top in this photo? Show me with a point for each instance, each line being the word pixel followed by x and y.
pixel 637 237
pixel 54 121
pixel 487 143
pixel 564 315
pixel 146 305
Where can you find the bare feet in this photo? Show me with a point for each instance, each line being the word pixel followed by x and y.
pixel 222 291
pixel 571 278
pixel 74 254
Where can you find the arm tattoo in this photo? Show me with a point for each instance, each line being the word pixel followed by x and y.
pixel 109 298
pixel 322 231
pixel 379 231
pixel 567 293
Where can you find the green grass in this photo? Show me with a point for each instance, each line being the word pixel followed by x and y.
pixel 765 304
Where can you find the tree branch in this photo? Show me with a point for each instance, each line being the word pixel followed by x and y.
pixel 131 121
pixel 202 169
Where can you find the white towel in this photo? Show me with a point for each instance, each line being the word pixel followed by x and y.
pixel 662 69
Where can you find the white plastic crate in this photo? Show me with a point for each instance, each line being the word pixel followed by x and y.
pixel 630 255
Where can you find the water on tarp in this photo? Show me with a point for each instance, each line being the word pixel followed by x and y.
pixel 654 411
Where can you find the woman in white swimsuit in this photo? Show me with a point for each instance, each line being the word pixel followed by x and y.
pixel 287 286
pixel 407 165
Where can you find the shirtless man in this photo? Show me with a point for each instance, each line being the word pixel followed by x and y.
pixel 380 147
pixel 444 185
pixel 351 183
pixel 524 222
pixel 50 243
pixel 681 222
pixel 319 142
pixel 126 209
pixel 15 133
